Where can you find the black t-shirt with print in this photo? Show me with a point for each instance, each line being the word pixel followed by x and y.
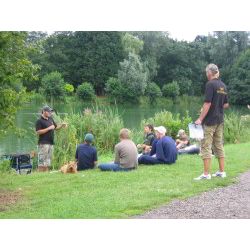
pixel 42 123
pixel 216 93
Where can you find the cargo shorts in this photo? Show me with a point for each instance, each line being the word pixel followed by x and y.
pixel 45 152
pixel 213 139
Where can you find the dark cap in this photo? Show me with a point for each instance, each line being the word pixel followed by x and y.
pixel 47 108
pixel 89 138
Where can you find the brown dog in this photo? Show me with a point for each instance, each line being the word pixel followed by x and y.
pixel 69 168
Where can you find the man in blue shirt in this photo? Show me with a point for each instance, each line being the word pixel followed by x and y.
pixel 86 155
pixel 163 149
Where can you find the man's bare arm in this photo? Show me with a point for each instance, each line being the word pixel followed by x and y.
pixel 205 109
pixel 45 130
pixel 226 106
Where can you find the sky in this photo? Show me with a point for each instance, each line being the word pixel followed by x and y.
pixel 179 35
pixel 187 35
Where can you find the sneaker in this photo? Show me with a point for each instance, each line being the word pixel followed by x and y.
pixel 203 177
pixel 220 174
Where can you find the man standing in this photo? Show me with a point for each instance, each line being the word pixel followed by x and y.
pixel 125 154
pixel 86 155
pixel 45 127
pixel 163 149
pixel 212 119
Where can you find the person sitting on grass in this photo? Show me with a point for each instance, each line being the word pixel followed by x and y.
pixel 183 140
pixel 125 155
pixel 86 155
pixel 163 150
pixel 148 140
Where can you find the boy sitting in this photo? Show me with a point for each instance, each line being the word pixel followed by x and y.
pixel 182 140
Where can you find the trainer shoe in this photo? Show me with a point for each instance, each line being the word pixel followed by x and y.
pixel 203 177
pixel 220 174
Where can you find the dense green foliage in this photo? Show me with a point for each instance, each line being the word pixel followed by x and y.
pixel 105 125
pixel 81 56
pixel 133 78
pixel 53 86
pixel 171 90
pixel 240 75
pixel 236 128
pixel 96 57
pixel 173 123
pixel 85 91
pixel 153 92
pixel 15 68
pixel 96 194
pixel 114 88
pixel 69 88
pixel 5 166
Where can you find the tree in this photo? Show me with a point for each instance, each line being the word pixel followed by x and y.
pixel 35 41
pixel 114 88
pixel 153 91
pixel 239 88
pixel 224 47
pixel 15 67
pixel 182 60
pixel 85 91
pixel 133 78
pixel 132 44
pixel 153 44
pixel 171 90
pixel 185 86
pixel 53 86
pixel 84 56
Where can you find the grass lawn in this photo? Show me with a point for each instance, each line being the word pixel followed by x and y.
pixel 96 194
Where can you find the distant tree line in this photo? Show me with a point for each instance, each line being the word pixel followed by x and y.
pixel 127 65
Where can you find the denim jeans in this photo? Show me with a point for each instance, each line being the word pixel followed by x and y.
pixel 113 167
pixel 148 160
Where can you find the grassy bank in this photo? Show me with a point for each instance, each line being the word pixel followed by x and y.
pixel 95 194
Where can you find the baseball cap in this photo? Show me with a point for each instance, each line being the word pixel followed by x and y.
pixel 181 131
pixel 89 137
pixel 212 67
pixel 161 130
pixel 47 108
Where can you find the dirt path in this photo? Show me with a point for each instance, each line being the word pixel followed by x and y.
pixel 232 202
pixel 8 198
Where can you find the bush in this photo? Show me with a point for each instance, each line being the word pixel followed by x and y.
pixel 236 128
pixel 104 124
pixel 85 91
pixel 171 90
pixel 113 88
pixel 69 88
pixel 185 86
pixel 168 120
pixel 53 86
pixel 37 97
pixel 5 166
pixel 153 92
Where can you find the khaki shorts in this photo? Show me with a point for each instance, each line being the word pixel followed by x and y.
pixel 213 139
pixel 45 152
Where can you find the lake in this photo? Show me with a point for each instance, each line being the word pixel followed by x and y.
pixel 132 116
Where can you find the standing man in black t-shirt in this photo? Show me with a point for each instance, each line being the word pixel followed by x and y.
pixel 212 119
pixel 45 127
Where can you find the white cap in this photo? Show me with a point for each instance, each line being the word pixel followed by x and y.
pixel 181 131
pixel 162 130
